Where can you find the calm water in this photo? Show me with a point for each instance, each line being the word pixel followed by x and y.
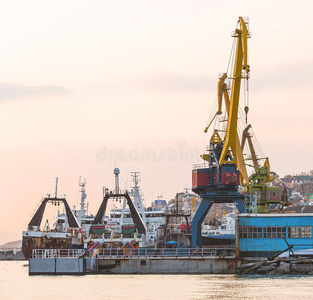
pixel 16 284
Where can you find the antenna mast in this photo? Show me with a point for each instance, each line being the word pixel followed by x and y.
pixel 56 187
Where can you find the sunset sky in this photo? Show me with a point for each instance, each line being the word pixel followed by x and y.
pixel 87 85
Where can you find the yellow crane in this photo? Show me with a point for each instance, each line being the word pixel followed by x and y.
pixel 241 70
pixel 231 144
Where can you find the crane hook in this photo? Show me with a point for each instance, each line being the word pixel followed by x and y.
pixel 246 111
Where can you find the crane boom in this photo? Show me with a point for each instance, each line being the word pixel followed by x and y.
pixel 220 87
pixel 222 90
pixel 247 136
pixel 241 63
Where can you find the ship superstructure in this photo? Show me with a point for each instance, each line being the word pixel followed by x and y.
pixel 120 221
pixel 82 215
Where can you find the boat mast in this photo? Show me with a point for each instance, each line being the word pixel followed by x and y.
pixel 117 186
pixel 136 193
pixel 81 212
pixel 56 187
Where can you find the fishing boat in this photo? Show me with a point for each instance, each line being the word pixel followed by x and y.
pixel 76 228
pixel 62 236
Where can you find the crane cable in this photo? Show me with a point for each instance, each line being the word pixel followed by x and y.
pixel 231 56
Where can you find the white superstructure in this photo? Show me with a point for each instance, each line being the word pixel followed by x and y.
pixel 227 225
pixel 153 218
pixel 83 217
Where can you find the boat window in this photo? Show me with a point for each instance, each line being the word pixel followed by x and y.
pixel 115 216
pixel 299 232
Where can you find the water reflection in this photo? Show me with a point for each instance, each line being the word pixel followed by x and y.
pixel 16 284
pixel 255 287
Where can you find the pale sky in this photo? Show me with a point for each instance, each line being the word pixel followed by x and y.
pixel 87 84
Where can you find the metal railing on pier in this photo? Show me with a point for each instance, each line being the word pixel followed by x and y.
pixel 58 253
pixel 163 253
pixel 11 253
pixel 10 250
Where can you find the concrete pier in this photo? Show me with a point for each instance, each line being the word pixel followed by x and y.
pixel 57 262
pixel 168 261
pixel 56 266
pixel 179 265
pixel 136 261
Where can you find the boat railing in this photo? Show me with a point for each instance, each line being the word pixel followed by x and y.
pixel 162 253
pixel 200 166
pixel 113 192
pixel 173 211
pixel 58 253
pixel 58 196
pixel 154 209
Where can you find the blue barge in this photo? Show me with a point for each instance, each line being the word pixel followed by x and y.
pixel 262 235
